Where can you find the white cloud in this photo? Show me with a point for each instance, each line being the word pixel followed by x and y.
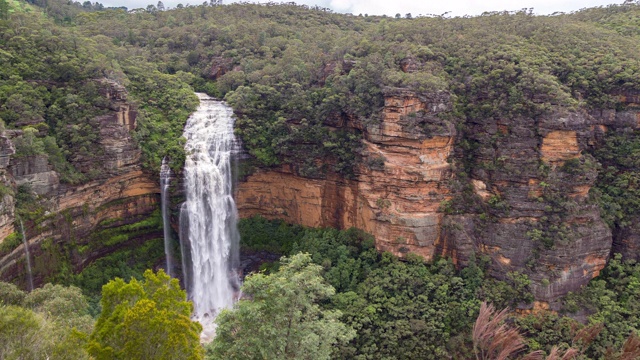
pixel 415 7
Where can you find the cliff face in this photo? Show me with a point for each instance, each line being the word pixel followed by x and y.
pixel 397 191
pixel 533 178
pixel 515 190
pixel 77 224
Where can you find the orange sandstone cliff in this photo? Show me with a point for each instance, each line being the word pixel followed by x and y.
pixel 396 194
pixel 76 224
pixel 515 190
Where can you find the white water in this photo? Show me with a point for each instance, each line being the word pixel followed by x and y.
pixel 165 177
pixel 211 211
pixel 185 251
pixel 28 255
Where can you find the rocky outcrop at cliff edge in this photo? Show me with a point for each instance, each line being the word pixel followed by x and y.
pixel 520 195
pixel 76 224
pixel 398 189
pixel 529 207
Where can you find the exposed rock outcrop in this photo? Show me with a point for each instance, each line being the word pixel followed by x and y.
pixel 520 195
pixel 80 223
pixel 397 191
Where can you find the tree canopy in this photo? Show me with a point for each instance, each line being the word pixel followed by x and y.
pixel 282 317
pixel 51 321
pixel 148 319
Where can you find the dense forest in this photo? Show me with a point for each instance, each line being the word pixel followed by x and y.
pixel 335 288
pixel 292 74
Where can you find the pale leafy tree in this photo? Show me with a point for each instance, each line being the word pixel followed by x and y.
pixel 281 317
pixel 21 334
pixel 148 319
pixel 50 322
pixel 11 294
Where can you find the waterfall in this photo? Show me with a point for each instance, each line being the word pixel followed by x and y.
pixel 211 211
pixel 27 254
pixel 165 177
pixel 184 247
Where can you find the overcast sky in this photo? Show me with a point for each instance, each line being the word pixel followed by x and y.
pixel 415 7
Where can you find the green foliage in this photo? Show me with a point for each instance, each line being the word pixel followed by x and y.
pixel 544 330
pixel 28 144
pixel 618 184
pixel 21 334
pixel 208 87
pixel 166 102
pixel 55 154
pixel 400 309
pixel 610 305
pixel 291 80
pixel 4 9
pixel 114 235
pixel 348 256
pixel 276 236
pixel 511 292
pixel 11 242
pixel 49 322
pixel 58 301
pixel 52 83
pixel 292 324
pixel 612 299
pixel 146 319
pixel 11 294
pixel 127 250
pixel 294 82
pixel 407 311
pixel 124 263
pixel 306 84
pixel 28 206
pixel 32 143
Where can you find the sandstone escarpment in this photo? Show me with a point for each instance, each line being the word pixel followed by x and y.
pixel 515 190
pixel 73 225
pixel 398 187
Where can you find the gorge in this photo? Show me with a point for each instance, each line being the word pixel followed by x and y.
pixel 425 164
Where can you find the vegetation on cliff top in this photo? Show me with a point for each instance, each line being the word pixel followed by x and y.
pixel 50 87
pixel 293 72
pixel 304 82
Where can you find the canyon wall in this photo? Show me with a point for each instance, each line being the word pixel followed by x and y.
pixel 69 226
pixel 516 191
pixel 398 189
pixel 513 190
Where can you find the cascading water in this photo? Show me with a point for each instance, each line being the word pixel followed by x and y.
pixel 28 255
pixel 165 177
pixel 184 247
pixel 211 211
